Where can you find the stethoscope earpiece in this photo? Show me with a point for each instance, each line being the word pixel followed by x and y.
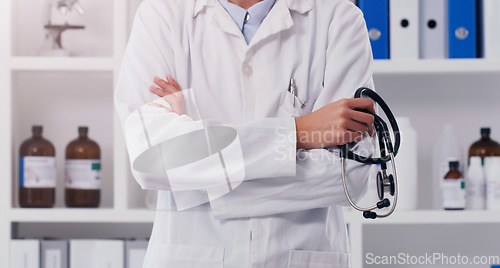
pixel 369 215
pixel 383 203
pixel 385 183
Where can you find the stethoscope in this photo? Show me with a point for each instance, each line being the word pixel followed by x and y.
pixel 386 184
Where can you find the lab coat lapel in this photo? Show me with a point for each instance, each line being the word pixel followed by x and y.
pixel 223 20
pixel 279 18
pixel 200 5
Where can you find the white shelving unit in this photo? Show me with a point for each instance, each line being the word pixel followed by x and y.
pixel 62 64
pixel 425 67
pixel 124 206
pixel 82 215
pixel 428 217
pixel 120 208
pixel 356 224
pixel 6 134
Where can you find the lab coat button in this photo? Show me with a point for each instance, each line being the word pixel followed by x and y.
pixel 247 70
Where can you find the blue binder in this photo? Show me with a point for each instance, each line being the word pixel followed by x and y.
pixel 376 13
pixel 462 32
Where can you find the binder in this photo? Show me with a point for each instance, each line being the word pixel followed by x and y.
pixel 376 13
pixel 433 29
pixel 96 253
pixel 135 252
pixel 491 29
pixel 25 253
pixel 462 33
pixel 54 254
pixel 404 22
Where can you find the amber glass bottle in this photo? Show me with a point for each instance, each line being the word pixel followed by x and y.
pixel 83 171
pixel 453 188
pixel 37 171
pixel 485 146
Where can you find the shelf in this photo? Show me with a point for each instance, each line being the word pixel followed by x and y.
pixel 428 217
pixel 444 66
pixel 387 67
pixel 62 64
pixel 106 215
pixel 84 215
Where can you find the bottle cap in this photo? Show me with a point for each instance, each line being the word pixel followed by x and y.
pixel 83 130
pixel 37 129
pixel 485 131
pixel 454 164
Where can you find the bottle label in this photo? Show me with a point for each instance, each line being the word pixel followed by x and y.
pixel 493 194
pixel 453 193
pixel 476 190
pixel 476 195
pixel 83 174
pixel 37 172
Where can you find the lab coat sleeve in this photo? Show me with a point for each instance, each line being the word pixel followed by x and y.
pixel 148 54
pixel 156 161
pixel 318 181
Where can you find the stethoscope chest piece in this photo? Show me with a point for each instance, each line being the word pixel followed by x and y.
pixel 385 184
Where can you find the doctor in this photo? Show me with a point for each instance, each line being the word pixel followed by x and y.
pixel 278 75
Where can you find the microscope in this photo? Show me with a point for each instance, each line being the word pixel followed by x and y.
pixel 53 38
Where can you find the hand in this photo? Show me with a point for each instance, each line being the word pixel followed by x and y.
pixel 334 124
pixel 171 92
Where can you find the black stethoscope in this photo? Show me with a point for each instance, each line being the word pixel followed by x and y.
pixel 386 184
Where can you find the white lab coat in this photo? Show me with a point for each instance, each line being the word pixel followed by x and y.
pixel 287 211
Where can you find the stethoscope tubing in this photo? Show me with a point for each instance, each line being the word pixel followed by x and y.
pixel 387 151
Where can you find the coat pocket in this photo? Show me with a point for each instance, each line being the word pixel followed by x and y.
pixel 166 255
pixel 289 105
pixel 318 259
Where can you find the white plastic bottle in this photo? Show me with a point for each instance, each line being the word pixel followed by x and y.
pixel 493 183
pixel 446 148
pixel 406 165
pixel 486 165
pixel 475 185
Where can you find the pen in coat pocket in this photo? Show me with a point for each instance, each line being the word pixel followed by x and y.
pixel 308 105
pixel 292 88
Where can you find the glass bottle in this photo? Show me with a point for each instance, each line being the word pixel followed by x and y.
pixel 447 147
pixel 37 171
pixel 453 188
pixel 83 171
pixel 485 146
